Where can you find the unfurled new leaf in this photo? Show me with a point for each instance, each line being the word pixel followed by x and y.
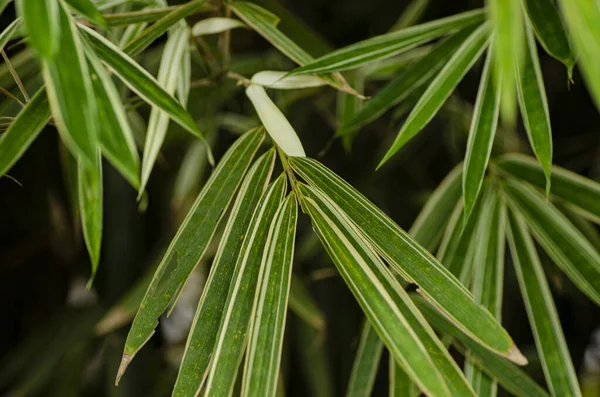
pixel 280 80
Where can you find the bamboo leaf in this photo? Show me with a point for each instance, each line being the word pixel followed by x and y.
pixel 543 316
pixel 366 363
pixel 583 194
pixel 569 249
pixel 583 25
pixel 411 14
pixel 3 5
pixel 550 31
pixel 399 382
pixel 89 10
pixel 9 31
pixel 158 122
pixel 280 80
pixel 201 340
pixel 278 127
pixel 440 88
pixel 534 107
pixel 411 260
pixel 184 80
pixel 70 93
pixel 42 22
pixel 263 356
pixel 23 130
pixel 150 14
pixel 481 136
pixel 304 306
pixel 216 25
pixel 389 44
pixel 89 182
pixel 233 331
pixel 190 242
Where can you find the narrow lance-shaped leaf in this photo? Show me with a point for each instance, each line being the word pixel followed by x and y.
pixel 550 31
pixel 375 290
pixel 304 306
pixel 216 25
pixel 184 80
pixel 278 80
pixel 89 182
pixel 400 384
pixel 366 363
pixel 440 88
pixel 141 82
pixel 89 10
pixel 235 321
pixel 389 44
pixel 149 14
pixel 582 194
pixel 411 260
pixel 534 107
pixel 71 94
pixel 481 135
pixel 9 31
pixel 43 24
pixel 158 122
pixel 411 14
pixel 566 245
pixel 23 130
pixel 204 329
pixel 263 356
pixel 543 316
pixel 190 242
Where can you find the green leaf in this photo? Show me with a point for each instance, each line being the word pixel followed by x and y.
pixel 141 82
pixel 510 377
pixel 583 194
pixel 71 95
pixel 405 83
pixel 263 356
pixel 235 321
pixel 411 260
pixel 534 107
pixel 116 137
pixel 201 340
pixel 507 21
pixel 411 14
pixel 89 10
pixel 304 306
pixel 89 182
pixel 399 382
pixel 366 363
pixel 481 136
pixel 158 122
pixel 583 25
pixel 157 29
pixel 568 248
pixel 216 25
pixel 543 316
pixel 191 241
pixel 149 14
pixel 389 44
pixel 375 289
pixel 279 80
pixel 550 31
pixel 9 31
pixel 3 5
pixel 313 360
pixel 43 25
pixel 441 87
pixel 488 279
pixel 23 130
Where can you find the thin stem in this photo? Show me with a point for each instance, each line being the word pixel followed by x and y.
pixel 226 42
pixel 11 96
pixel 239 78
pixel 288 171
pixel 15 76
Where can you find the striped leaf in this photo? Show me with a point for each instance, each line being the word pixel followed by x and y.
pixel 149 14
pixel 389 44
pixel 216 25
pixel 190 242
pixel 233 330
pixel 263 356
pixel 399 382
pixel 534 107
pixel 43 25
pixel 70 93
pixel 411 260
pixel 279 80
pixel 569 249
pixel 89 10
pixel 304 306
pixel 440 88
pixel 543 316
pixel 207 320
pixel 366 363
pixel 23 130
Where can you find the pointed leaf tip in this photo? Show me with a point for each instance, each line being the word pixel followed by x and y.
pixel 516 356
pixel 125 360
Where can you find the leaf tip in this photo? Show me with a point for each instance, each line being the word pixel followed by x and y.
pixel 125 361
pixel 515 355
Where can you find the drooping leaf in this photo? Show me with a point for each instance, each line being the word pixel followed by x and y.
pixel 441 87
pixel 278 127
pixel 534 107
pixel 279 80
pixel 550 31
pixel 203 334
pixel 190 242
pixel 89 10
pixel 216 25
pixel 411 260
pixel 366 363
pixel 389 44
pixel 89 180
pixel 263 356
pixel 23 130
pixel 235 321
pixel 543 316
pixel 70 93
pixel 304 306
pixel 569 249
pixel 43 25
pixel 481 136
